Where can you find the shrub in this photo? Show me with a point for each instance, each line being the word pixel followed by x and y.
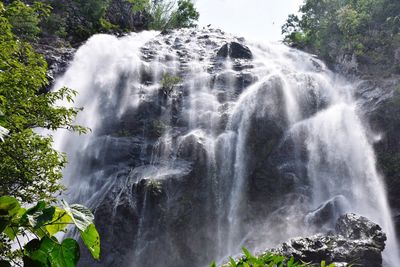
pixel 267 259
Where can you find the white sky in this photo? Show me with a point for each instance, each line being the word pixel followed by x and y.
pixel 252 19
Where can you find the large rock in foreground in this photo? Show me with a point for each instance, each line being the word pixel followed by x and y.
pixel 356 241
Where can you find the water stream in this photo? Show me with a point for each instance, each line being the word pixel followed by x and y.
pixel 240 152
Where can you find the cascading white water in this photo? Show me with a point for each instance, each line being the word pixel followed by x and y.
pixel 215 122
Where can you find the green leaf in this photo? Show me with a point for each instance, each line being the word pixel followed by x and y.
pixel 213 264
pixel 59 221
pixel 35 252
pixel 81 216
pixel 39 218
pixel 3 223
pixel 30 212
pixel 232 261
pixel 247 253
pixel 9 207
pixel 291 262
pixel 10 232
pixel 66 255
pixel 50 252
pixel 38 215
pixel 91 239
pixel 70 249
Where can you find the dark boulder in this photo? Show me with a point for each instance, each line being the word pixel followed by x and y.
pixel 356 227
pixel 235 50
pixel 356 241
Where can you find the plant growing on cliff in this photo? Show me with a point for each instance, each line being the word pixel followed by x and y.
pixel 167 14
pixel 168 83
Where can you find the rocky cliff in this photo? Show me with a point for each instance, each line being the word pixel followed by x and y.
pixel 379 98
pixel 248 146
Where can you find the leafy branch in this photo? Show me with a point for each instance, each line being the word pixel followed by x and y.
pixel 44 221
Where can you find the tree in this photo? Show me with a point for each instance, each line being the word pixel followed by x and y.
pixel 165 14
pixel 25 19
pixel 367 29
pixel 30 168
pixel 185 16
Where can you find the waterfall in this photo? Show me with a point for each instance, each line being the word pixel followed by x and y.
pixel 241 150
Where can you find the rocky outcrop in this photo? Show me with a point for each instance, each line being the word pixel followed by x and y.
pixel 57 57
pixel 356 240
pixel 235 50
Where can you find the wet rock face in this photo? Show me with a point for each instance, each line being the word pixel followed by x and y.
pixel 57 57
pixel 328 212
pixel 160 172
pixel 147 205
pixel 235 50
pixel 380 101
pixel 356 241
pixel 355 227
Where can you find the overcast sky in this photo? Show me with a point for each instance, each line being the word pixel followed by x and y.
pixel 252 19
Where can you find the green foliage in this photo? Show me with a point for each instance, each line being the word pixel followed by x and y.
pixel 185 16
pixel 44 221
pixel 87 19
pixel 83 220
pixel 139 5
pixel 161 15
pixel 49 251
pixel 25 19
pixel 93 10
pixel 54 25
pixel 77 20
pixel 30 168
pixel 91 238
pixel 166 15
pixel 332 28
pixel 268 260
pixel 168 83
